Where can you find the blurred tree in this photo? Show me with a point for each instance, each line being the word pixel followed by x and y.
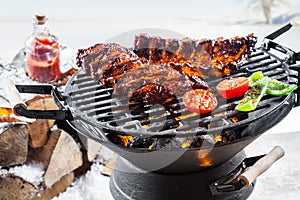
pixel 266 6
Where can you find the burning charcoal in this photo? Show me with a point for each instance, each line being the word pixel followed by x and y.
pixel 167 144
pixel 203 140
pixel 141 142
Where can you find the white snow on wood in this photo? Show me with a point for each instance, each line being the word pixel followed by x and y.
pixel 31 172
pixel 92 186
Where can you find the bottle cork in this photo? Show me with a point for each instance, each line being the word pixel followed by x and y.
pixel 40 17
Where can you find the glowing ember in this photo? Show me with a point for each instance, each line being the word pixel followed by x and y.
pixel 145 126
pixel 219 138
pixel 234 119
pixel 5 111
pixel 150 147
pixel 179 118
pixel 186 143
pixel 204 159
pixel 205 162
pixel 125 139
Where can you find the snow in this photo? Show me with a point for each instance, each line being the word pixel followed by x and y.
pixel 282 179
pixel 92 186
pixel 31 172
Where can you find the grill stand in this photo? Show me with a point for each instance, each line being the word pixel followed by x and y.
pixel 129 182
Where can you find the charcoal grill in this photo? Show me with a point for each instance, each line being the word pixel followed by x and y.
pixel 91 110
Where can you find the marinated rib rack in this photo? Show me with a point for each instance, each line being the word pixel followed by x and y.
pixel 217 57
pixel 105 112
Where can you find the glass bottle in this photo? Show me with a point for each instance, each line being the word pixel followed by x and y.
pixel 42 52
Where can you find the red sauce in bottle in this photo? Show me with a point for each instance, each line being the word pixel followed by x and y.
pixel 43 60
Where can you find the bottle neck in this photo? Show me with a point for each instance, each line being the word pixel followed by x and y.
pixel 40 30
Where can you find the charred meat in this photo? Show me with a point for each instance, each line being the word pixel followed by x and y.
pixel 99 59
pixel 117 67
pixel 171 76
pixel 158 69
pixel 213 57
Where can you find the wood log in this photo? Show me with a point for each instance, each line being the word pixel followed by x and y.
pixel 108 160
pixel 56 189
pixel 108 166
pixel 38 130
pixel 65 158
pixel 92 149
pixel 14 145
pixel 14 187
pixel 60 156
pixel 43 154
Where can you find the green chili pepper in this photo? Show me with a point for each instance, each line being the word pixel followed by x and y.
pixel 275 87
pixel 253 96
pixel 259 85
pixel 255 77
pixel 278 88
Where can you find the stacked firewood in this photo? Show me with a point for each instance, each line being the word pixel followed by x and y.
pixel 61 155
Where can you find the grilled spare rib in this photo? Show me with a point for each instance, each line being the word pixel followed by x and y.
pixel 213 57
pixel 167 75
pixel 167 66
pixel 112 64
pixel 104 57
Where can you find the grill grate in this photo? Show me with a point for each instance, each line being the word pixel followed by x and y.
pixel 104 111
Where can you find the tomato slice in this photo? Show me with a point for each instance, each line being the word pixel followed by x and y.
pixel 233 87
pixel 200 101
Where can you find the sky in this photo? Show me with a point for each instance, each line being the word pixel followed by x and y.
pixel 85 9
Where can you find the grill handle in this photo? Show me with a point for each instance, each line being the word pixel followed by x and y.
pixel 20 109
pixel 261 166
pixel 279 32
pixel 294 22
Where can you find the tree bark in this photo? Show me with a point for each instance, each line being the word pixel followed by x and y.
pixel 14 187
pixel 38 130
pixel 14 145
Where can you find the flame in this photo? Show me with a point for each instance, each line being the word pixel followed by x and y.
pixel 219 138
pixel 204 159
pixel 145 125
pixel 186 143
pixel 234 119
pixel 205 162
pixel 125 139
pixel 179 118
pixel 5 112
pixel 150 147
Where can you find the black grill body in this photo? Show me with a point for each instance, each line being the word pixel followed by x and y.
pixel 99 116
